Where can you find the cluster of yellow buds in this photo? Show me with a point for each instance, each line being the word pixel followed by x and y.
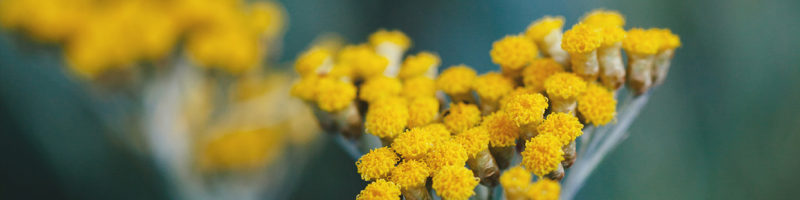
pixel 551 85
pixel 101 35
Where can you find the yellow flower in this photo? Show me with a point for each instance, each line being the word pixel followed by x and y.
pixel 267 18
pixel 242 149
pixel 473 140
pixel 308 62
pixel 410 173
pixel 419 86
pixel 334 95
pixel 447 153
pixel 540 69
pixel 413 144
pixel 563 126
pixel 513 52
pixel 306 88
pixel 527 108
pixel 612 35
pixel 542 154
pixel 544 189
pixel 377 164
pixel 668 39
pixel 438 131
pixel 517 91
pixel 597 105
pixel 461 117
pixel 455 183
pixel 543 26
pixel 380 87
pixel 364 61
pixel 581 38
pixel 386 120
pixel 503 130
pixel 515 178
pixel 395 36
pixel 231 48
pixel 491 86
pixel 422 111
pixel 603 18
pixel 564 85
pixel 640 41
pixel 414 66
pixel 456 79
pixel 380 190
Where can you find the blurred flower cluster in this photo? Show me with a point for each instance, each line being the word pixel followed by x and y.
pixel 525 120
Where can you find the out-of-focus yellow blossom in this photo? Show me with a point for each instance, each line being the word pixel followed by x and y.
pixel 394 36
pixel 242 149
pixel 380 87
pixel 462 117
pixel 544 189
pixel 542 27
pixel 309 62
pixel 414 66
pixel 268 18
pixel 419 86
pixel 604 18
pixel 422 111
pixel 380 190
pixel 540 69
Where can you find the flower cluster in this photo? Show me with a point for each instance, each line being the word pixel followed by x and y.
pixel 550 85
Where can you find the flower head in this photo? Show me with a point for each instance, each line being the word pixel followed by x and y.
pixel 581 38
pixel 268 18
pixel 563 126
pixel 597 105
pixel 612 35
pixel 516 178
pixel 380 190
pixel 540 69
pixel 422 111
pixel 640 41
pixel 542 154
pixel 413 144
pixel 668 39
pixel 473 140
pixel 386 120
pixel 380 87
pixel 306 88
pixel 461 117
pixel 309 61
pixel 565 85
pixel 544 189
pixel 527 108
pixel 363 59
pixel 447 153
pixel 242 149
pixel 543 26
pixel 377 164
pixel 455 183
pixel 456 79
pixel 517 91
pixel 335 95
pixel 394 36
pixel 604 18
pixel 513 52
pixel 438 131
pixel 419 86
pixel 503 130
pixel 417 65
pixel 410 173
pixel 492 86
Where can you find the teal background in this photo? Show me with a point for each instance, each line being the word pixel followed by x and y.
pixel 726 124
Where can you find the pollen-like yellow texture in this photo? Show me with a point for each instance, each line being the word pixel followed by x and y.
pixel 563 126
pixel 503 130
pixel 335 95
pixel 513 52
pixel 543 26
pixel 413 144
pixel 386 120
pixel 597 105
pixel 380 190
pixel 542 154
pixel 564 85
pixel 438 131
pixel 342 70
pixel 306 88
pixel 388 101
pixel 540 69
pixel 410 173
pixel 310 60
pixel 419 86
pixel 456 79
pixel 527 108
pixel 455 183
pixel 364 61
pixel 612 35
pixel 491 86
pixel 604 18
pixel 417 65
pixel 447 153
pixel 461 117
pixel 544 189
pixel 380 87
pixel 422 111
pixel 581 38
pixel 377 164
pixel 668 39
pixel 640 41
pixel 516 178
pixel 395 36
pixel 517 91
pixel 473 140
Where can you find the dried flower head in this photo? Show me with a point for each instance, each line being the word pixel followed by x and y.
pixel 461 117
pixel 380 87
pixel 540 69
pixel 563 126
pixel 413 144
pixel 516 178
pixel 542 154
pixel 473 140
pixel 386 120
pixel 612 35
pixel 668 39
pixel 335 95
pixel 564 85
pixel 306 88
pixel 438 131
pixel 544 189
pixel 492 86
pixel 543 26
pixel 503 130
pixel 394 36
pixel 309 61
pixel 581 38
pixel 380 190
pixel 414 66
pixel 640 41
pixel 377 164
pixel 597 105
pixel 422 111
pixel 419 86
pixel 527 108
pixel 513 52
pixel 455 183
pixel 603 18
pixel 447 153
pixel 456 79
pixel 410 173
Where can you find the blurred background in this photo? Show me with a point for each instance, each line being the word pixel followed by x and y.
pixel 726 124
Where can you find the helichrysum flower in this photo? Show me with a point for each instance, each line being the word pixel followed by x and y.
pixel 377 164
pixel 641 46
pixel 419 86
pixel 540 69
pixel 564 85
pixel 513 52
pixel 413 144
pixel 503 130
pixel 456 80
pixel 546 32
pixel 640 41
pixel 668 39
pixel 517 91
pixel 515 182
pixel 380 87
pixel 563 126
pixel 242 149
pixel 306 88
pixel 597 105
pixel 309 62
pixel 491 86
pixel 447 153
pixel 268 18
pixel 461 117
pixel 364 61
pixel 666 51
pixel 609 55
pixel 604 18
pixel 334 95
pixel 527 108
pixel 410 173
pixel 438 131
pixel 386 120
pixel 455 183
pixel 419 65
pixel 582 42
pixel 422 111
pixel 544 189
pixel 380 190
pixel 395 37
pixel 473 140
pixel 544 26
pixel 542 154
